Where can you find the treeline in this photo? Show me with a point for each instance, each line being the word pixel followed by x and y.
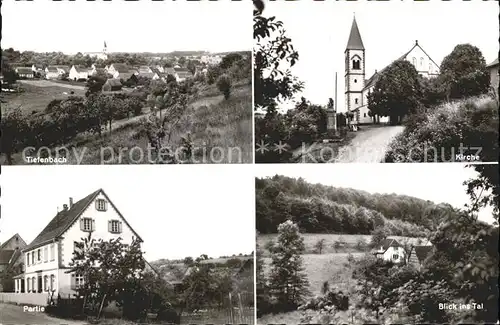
pixel 318 208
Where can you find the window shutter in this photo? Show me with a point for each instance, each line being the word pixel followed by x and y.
pixel 97 204
pixel 93 225
pixel 73 281
pixel 120 227
pixel 81 225
pixel 110 228
pixel 105 205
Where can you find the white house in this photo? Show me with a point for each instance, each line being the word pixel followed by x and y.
pixel 47 258
pixel 25 72
pixel 390 250
pixel 78 73
pixel 51 72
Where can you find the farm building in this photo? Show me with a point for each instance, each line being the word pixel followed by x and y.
pixel 25 72
pixel 11 258
pixel 62 69
pixel 78 73
pixel 51 72
pixel 418 254
pixel 112 85
pixel 37 67
pixel 48 256
pixel 182 74
pixel 391 250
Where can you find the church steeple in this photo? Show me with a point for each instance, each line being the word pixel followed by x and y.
pixel 355 42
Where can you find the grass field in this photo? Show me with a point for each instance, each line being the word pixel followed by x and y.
pixel 221 132
pixel 37 95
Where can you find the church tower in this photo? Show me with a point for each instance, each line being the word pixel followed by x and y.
pixel 354 70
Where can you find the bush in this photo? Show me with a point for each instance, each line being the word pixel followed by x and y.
pixel 224 85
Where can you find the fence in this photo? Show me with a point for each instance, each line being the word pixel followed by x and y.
pixel 30 299
pixel 237 309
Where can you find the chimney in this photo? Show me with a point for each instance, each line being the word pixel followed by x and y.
pixel 65 207
pixel 70 202
pixel 416 42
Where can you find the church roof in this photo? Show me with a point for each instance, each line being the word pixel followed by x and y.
pixel 355 42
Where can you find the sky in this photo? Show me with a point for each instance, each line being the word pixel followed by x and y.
pixel 388 30
pixel 440 182
pixel 126 26
pixel 179 210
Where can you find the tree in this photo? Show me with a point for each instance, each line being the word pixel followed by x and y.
pixel 320 244
pixel 188 261
pixel 287 281
pixel 397 93
pixel 274 50
pixel 95 83
pixel 378 236
pixel 463 72
pixel 224 85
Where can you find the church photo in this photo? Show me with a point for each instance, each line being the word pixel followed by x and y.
pixel 355 78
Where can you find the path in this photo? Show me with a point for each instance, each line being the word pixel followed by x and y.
pixel 369 145
pixel 13 314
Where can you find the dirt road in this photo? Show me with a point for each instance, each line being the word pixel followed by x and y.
pixel 369 145
pixel 13 314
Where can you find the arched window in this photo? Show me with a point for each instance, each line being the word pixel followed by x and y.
pixel 355 101
pixel 45 283
pixel 422 62
pixel 52 282
pixel 414 61
pixel 33 284
pixel 28 285
pixel 356 64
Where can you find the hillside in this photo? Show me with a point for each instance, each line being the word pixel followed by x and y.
pixel 317 208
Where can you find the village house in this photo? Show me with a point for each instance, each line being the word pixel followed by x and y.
pixel 48 256
pixel 390 250
pixel 62 69
pixel 25 72
pixel 182 74
pixel 112 85
pixel 494 75
pixel 116 68
pixel 357 88
pixel 77 73
pixel 11 259
pixel 144 69
pixel 418 254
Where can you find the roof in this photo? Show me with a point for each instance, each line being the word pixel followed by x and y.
pixel 125 75
pixel 170 70
pixel 64 67
pixel 386 243
pixel 422 252
pixel 24 70
pixel 80 69
pixel 52 69
pixel 355 42
pixel 181 70
pixel 146 74
pixel 65 219
pixel 493 64
pixel 376 76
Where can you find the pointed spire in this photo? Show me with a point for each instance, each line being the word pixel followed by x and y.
pixel 355 42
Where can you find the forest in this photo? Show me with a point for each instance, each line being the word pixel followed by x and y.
pixel 318 208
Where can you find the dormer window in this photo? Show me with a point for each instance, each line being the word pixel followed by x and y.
pixel 87 224
pixel 114 226
pixel 356 64
pixel 101 205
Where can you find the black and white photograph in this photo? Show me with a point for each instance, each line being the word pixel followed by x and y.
pixel 151 248
pixel 372 81
pixel 377 244
pixel 126 82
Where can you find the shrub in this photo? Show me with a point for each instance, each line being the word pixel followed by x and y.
pixel 224 85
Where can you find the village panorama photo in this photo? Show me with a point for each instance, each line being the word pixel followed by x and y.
pixel 377 244
pixel 112 250
pixel 376 81
pixel 170 83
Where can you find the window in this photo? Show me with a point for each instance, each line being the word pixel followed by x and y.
pixel 355 101
pixel 28 285
pixel 52 252
pixel 414 61
pixel 33 284
pixel 395 257
pixel 33 257
pixel 45 283
pixel 87 224
pixel 100 205
pixel 422 62
pixel 28 259
pixel 364 115
pixel 356 64
pixel 77 280
pixel 114 226
pixel 39 255
pixel 52 282
pixel 45 254
pixel 355 80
